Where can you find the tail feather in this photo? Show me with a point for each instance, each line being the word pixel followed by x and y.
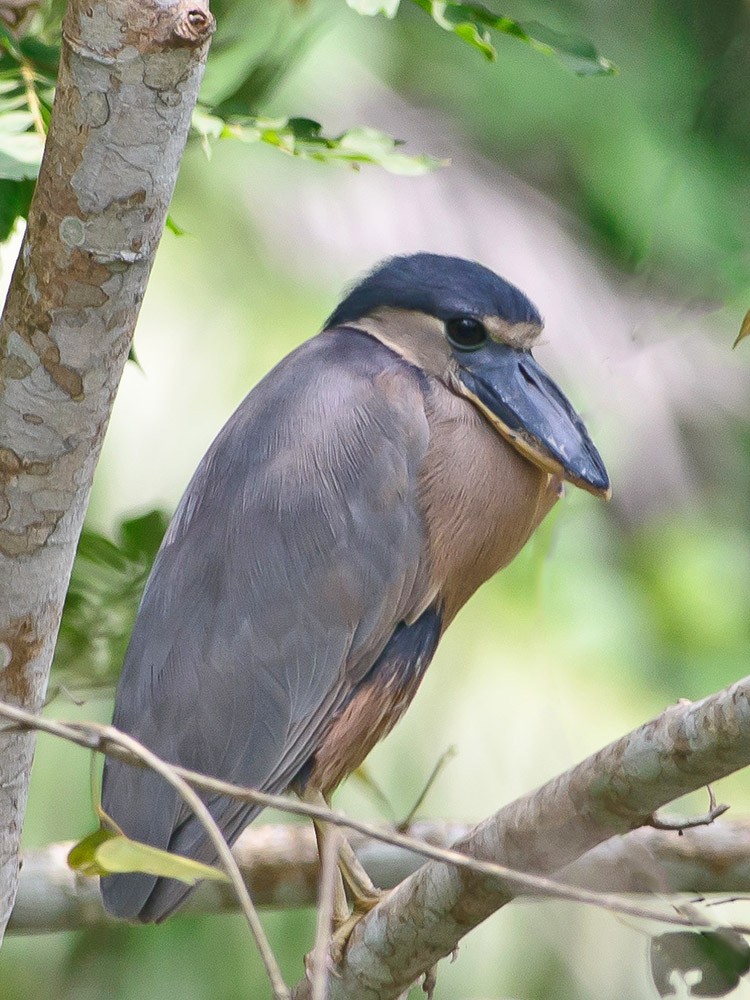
pixel 151 899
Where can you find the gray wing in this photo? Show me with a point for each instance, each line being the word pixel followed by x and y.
pixel 295 551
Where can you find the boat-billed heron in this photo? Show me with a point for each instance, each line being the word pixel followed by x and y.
pixel 348 509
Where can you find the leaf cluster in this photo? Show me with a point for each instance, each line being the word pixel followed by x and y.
pixel 105 587
pixel 472 23
pixel 304 138
pixel 28 68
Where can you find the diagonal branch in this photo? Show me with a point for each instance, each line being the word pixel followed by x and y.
pixel 615 790
pixel 128 81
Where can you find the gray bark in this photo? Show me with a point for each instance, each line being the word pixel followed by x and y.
pixel 128 81
pixel 612 792
pixel 280 866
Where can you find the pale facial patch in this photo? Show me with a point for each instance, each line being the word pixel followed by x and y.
pixel 521 336
pixel 417 337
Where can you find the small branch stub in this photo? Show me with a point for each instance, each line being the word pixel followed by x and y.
pixel 196 25
pixel 682 823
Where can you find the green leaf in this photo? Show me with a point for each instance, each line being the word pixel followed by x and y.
pixel 372 7
pixel 744 329
pixel 304 138
pixel 107 853
pixel 9 43
pixel 141 537
pixel 133 357
pixel 15 122
pixel 44 58
pixel 578 54
pixel 207 125
pixel 105 587
pixel 472 24
pixel 82 856
pixel 15 199
pixel 174 228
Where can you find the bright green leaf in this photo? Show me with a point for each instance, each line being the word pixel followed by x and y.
pixel 82 856
pixel 106 853
pixel 174 228
pixel 120 854
pixel 304 138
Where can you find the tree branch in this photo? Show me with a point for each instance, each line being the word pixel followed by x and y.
pixel 108 740
pixel 279 863
pixel 128 80
pixel 615 790
pixel 618 789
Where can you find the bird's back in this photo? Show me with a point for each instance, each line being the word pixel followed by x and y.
pixel 296 550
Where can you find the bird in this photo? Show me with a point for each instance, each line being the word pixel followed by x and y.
pixel 348 509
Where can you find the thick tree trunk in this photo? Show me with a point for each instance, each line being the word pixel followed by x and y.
pixel 129 78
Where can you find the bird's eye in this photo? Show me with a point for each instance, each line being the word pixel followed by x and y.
pixel 466 333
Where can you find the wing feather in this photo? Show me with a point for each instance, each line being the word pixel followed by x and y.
pixel 296 550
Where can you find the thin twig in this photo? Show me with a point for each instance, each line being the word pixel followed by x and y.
pixel 445 758
pixel 681 823
pixel 326 896
pixel 204 817
pixel 89 736
pixel 29 82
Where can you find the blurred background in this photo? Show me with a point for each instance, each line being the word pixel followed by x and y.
pixel 621 205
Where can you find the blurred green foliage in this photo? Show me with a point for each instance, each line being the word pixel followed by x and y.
pixel 653 160
pixel 28 67
pixel 602 620
pixel 472 23
pixel 105 588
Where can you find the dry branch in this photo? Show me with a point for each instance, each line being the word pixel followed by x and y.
pixel 108 740
pixel 279 863
pixel 616 790
pixel 128 81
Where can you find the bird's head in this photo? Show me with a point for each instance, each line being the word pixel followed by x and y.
pixel 459 322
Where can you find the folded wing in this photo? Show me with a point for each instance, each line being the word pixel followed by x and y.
pixel 295 552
